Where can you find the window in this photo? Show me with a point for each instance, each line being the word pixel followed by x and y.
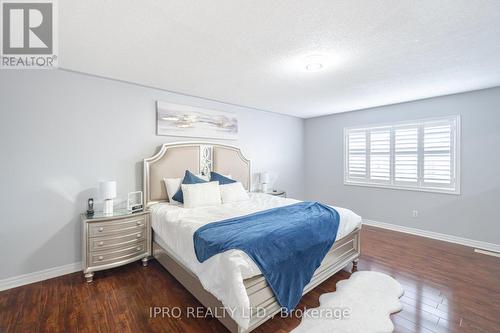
pixel 420 155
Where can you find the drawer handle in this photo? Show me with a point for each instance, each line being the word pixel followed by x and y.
pixel 138 248
pixel 101 258
pixel 101 243
pixel 138 235
pixel 101 229
pixel 139 223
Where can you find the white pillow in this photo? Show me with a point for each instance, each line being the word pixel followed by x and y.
pixel 233 192
pixel 201 195
pixel 172 185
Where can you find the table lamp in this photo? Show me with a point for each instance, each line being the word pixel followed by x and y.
pixel 108 193
pixel 264 181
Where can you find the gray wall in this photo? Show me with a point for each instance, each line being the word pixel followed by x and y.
pixel 62 132
pixel 473 214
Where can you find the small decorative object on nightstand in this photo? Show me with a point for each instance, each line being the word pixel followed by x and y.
pixel 134 202
pixel 90 207
pixel 111 240
pixel 264 181
pixel 277 193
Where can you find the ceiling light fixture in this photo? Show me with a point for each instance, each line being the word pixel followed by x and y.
pixel 314 63
pixel 314 67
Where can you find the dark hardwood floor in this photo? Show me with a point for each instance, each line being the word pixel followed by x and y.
pixel 448 288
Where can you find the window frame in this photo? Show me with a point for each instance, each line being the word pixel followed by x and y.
pixel 454 151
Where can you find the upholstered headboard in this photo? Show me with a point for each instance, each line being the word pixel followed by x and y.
pixel 174 159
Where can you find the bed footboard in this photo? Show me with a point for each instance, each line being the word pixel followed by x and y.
pixel 342 253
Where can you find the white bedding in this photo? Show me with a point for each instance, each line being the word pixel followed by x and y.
pixel 223 274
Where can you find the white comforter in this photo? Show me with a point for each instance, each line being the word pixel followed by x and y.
pixel 223 274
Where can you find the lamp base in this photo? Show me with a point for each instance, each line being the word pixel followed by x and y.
pixel 108 206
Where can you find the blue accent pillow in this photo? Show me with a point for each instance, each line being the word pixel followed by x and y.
pixel 214 176
pixel 189 178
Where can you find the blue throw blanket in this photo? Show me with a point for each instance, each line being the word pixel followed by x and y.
pixel 287 244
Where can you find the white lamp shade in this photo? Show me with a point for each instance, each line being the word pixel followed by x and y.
pixel 264 177
pixel 108 190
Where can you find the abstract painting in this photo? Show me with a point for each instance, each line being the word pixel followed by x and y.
pixel 190 121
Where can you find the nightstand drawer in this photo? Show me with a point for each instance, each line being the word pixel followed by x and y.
pixel 107 242
pixel 107 257
pixel 135 224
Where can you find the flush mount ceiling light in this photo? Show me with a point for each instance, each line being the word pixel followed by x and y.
pixel 314 67
pixel 314 63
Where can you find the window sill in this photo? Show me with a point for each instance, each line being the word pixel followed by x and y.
pixel 404 188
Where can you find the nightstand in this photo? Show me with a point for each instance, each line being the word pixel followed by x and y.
pixel 114 240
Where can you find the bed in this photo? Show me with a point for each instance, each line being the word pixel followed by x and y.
pixel 229 280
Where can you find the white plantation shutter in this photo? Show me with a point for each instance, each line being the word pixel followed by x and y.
pixel 406 155
pixel 421 155
pixel 357 155
pixel 438 154
pixel 380 155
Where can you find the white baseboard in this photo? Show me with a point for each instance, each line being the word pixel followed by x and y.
pixel 488 253
pixel 49 273
pixel 436 235
pixel 45 274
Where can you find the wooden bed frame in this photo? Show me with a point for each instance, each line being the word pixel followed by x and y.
pixel 202 157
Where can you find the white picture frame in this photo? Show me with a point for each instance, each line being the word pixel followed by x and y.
pixel 134 199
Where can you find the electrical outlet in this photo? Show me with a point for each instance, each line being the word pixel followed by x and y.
pixel 415 213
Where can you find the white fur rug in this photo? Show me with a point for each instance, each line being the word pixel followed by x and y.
pixel 370 298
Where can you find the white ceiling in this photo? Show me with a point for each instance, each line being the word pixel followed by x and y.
pixel 251 52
